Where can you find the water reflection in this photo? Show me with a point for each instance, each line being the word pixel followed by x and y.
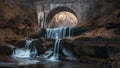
pixel 35 63
pixel 52 64
pixel 60 65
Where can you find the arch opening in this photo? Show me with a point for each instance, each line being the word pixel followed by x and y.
pixel 61 17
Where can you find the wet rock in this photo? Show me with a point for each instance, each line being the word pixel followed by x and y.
pixel 101 51
pixel 102 32
pixel 78 48
pixel 39 34
pixel 18 44
pixel 92 46
pixel 20 37
pixel 18 41
pixel 6 50
pixel 93 41
pixel 67 51
pixel 75 31
pixel 5 58
pixel 43 45
pixel 91 60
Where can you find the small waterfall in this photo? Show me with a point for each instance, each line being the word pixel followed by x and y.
pixel 26 52
pixel 57 34
pixel 28 42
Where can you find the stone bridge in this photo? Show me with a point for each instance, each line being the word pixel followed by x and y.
pixel 84 10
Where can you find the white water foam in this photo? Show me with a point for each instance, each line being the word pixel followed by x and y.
pixel 57 34
pixel 26 51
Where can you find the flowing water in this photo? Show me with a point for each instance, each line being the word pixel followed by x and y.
pixel 50 64
pixel 25 52
pixel 24 56
pixel 58 34
pixel 29 50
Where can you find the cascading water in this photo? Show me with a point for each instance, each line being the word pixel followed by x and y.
pixel 26 52
pixel 57 34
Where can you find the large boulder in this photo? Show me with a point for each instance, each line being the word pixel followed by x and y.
pixel 5 50
pixel 42 45
pixel 5 53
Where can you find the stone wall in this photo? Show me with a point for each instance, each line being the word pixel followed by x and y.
pixel 84 9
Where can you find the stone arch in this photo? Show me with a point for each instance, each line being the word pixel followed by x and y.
pixel 56 10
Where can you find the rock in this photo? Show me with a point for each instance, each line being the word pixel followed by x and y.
pixel 6 35
pixel 112 18
pixel 79 48
pixel 106 26
pixel 5 53
pixel 18 43
pixel 17 22
pixel 102 32
pixel 2 36
pixel 20 37
pixel 39 34
pixel 21 26
pixel 9 34
pixel 91 60
pixel 5 58
pixel 6 50
pixel 92 46
pixel 43 45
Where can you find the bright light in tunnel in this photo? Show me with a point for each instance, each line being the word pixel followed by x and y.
pixel 64 19
pixel 60 18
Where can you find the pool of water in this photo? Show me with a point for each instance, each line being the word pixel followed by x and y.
pixel 35 63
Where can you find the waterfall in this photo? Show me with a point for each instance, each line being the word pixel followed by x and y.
pixel 26 52
pixel 57 34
